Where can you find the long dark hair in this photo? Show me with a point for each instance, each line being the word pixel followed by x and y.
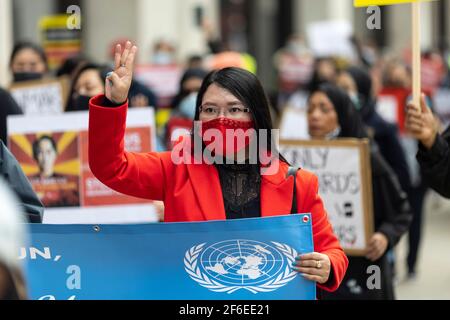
pixel 86 65
pixel 248 89
pixel 28 45
pixel 349 119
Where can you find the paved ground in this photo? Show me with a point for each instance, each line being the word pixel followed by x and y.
pixel 433 273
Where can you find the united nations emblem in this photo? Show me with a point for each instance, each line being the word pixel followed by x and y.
pixel 233 265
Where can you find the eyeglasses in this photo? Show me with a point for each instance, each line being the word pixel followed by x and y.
pixel 236 111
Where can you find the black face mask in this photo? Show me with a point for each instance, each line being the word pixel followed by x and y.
pixel 80 103
pixel 27 76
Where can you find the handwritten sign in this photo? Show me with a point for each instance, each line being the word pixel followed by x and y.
pixel 343 169
pixel 44 97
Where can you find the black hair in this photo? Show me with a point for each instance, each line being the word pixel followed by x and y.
pixel 197 73
pixel 349 119
pixel 36 145
pixel 102 71
pixel 28 45
pixel 245 86
pixel 70 65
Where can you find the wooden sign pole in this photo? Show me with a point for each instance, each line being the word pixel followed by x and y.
pixel 416 52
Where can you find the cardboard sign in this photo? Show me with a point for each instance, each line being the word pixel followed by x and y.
pixel 53 153
pixel 343 169
pixel 44 97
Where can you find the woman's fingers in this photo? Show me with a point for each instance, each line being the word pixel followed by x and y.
pixel 305 264
pixel 311 256
pixel 130 59
pixel 113 78
pixel 125 53
pixel 117 56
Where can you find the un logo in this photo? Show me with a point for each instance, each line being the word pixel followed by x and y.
pixel 232 265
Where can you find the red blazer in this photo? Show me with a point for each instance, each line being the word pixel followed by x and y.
pixel 192 192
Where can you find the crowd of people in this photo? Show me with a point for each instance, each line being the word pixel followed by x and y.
pixel 340 98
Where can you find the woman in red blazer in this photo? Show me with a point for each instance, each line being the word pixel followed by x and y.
pixel 229 99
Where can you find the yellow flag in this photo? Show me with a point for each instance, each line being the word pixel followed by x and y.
pixel 368 3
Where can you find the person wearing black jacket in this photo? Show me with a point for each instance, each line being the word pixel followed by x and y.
pixel 434 150
pixel 331 115
pixel 8 106
pixel 12 173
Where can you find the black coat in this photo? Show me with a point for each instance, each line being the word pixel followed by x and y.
pixel 8 106
pixel 435 164
pixel 391 209
pixel 16 179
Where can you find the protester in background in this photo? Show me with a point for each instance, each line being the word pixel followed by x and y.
pixel 434 151
pixel 358 84
pixel 12 239
pixel 164 53
pixel 28 62
pixel 184 103
pixel 398 76
pixel 331 115
pixel 71 66
pixel 195 62
pixel 325 71
pixel 12 173
pixel 230 98
pixel 88 82
pixel 8 106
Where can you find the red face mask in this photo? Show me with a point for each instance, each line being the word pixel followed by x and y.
pixel 238 140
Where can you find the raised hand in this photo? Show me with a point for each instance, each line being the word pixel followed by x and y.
pixel 118 82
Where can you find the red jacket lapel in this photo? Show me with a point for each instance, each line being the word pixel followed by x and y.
pixel 206 184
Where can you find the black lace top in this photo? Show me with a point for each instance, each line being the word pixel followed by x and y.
pixel 241 184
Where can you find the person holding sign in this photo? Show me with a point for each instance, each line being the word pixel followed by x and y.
pixel 195 190
pixel 331 115
pixel 28 62
pixel 434 151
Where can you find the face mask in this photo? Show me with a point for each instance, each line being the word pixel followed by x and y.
pixel 81 103
pixel 188 105
pixel 162 58
pixel 27 76
pixel 222 125
pixel 333 134
pixel 356 100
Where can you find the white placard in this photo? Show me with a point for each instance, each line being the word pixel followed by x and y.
pixel 343 170
pixel 331 38
pixel 40 98
pixel 387 107
pixel 294 124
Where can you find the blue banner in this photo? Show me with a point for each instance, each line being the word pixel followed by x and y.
pixel 247 259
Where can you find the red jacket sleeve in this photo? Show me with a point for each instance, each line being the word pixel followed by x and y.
pixel 135 174
pixel 325 241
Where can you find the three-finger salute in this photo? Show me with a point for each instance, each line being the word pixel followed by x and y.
pixel 118 82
